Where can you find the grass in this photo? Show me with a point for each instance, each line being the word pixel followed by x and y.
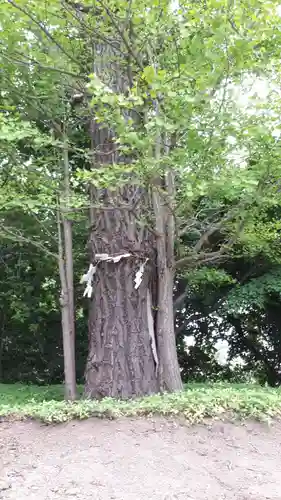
pixel 196 403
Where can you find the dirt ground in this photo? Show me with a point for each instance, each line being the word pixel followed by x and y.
pixel 139 460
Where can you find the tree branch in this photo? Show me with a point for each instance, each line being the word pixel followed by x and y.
pixel 186 322
pixel 43 28
pixel 18 237
pixel 82 8
pixel 216 227
pixel 201 258
pixel 123 35
pixel 30 61
pixel 179 301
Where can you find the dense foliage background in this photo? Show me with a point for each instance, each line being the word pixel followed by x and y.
pixel 224 111
pixel 228 326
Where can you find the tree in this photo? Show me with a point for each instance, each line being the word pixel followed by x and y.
pixel 18 199
pixel 236 303
pixel 30 322
pixel 150 154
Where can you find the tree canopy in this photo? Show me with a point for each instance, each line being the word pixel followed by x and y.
pixel 151 131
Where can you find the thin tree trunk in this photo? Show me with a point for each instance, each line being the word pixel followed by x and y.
pixel 67 329
pixel 169 372
pixel 67 229
pixel 68 248
pixel 65 250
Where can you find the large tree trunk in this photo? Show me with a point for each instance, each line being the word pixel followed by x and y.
pixel 121 360
pixel 129 328
pixel 132 348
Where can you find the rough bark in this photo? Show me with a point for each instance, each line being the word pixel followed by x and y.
pixel 121 360
pixel 132 347
pixel 129 329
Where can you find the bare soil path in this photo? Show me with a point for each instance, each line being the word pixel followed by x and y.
pixel 139 460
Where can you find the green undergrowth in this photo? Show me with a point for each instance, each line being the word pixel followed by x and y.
pixel 196 403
